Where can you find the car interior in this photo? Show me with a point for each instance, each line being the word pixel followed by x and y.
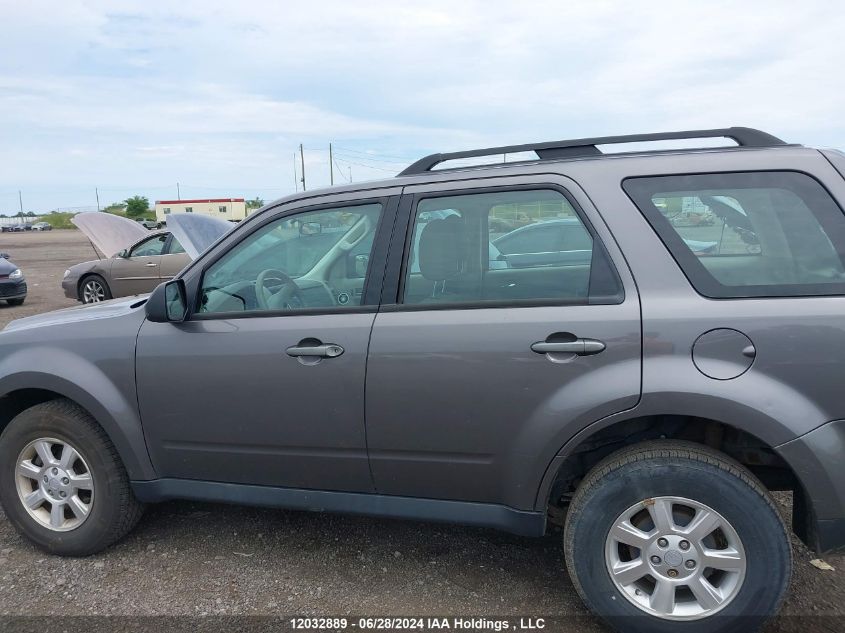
pixel 312 260
pixel 454 261
pixel 765 237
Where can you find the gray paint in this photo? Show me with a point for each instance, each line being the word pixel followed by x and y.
pixel 723 354
pixel 457 407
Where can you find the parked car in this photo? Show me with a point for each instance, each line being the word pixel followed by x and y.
pixel 18 228
pixel 132 271
pixel 12 282
pixel 354 350
pixel 42 226
pixel 148 224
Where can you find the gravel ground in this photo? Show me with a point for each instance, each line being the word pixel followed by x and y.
pixel 194 559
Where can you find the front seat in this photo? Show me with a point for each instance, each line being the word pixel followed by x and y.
pixel 441 256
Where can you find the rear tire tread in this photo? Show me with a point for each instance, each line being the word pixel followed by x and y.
pixel 656 449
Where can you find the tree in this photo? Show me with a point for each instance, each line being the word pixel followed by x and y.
pixel 115 207
pixel 256 203
pixel 136 206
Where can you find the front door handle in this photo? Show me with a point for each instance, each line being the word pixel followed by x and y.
pixel 580 346
pixel 150 264
pixel 329 350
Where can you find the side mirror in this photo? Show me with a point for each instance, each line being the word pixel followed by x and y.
pixel 310 228
pixel 4 255
pixel 124 253
pixel 168 303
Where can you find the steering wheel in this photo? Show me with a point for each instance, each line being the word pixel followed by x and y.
pixel 275 301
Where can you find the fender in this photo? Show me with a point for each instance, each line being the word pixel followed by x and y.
pixel 70 375
pixel 795 415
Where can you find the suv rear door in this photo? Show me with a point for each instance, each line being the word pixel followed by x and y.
pixel 462 400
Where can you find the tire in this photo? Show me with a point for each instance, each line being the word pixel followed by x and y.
pixel 639 481
pixel 16 302
pixel 93 289
pixel 112 508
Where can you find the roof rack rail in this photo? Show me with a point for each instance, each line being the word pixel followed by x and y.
pixel 744 137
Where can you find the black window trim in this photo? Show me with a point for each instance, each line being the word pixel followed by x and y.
pixel 700 280
pixel 372 282
pixel 169 244
pixel 400 248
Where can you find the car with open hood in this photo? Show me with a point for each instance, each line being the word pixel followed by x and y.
pixel 137 260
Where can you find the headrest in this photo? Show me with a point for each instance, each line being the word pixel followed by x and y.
pixel 440 253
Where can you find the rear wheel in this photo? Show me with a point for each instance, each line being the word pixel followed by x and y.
pixel 94 289
pixel 62 483
pixel 673 536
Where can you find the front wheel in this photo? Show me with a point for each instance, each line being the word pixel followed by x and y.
pixel 674 536
pixel 94 289
pixel 62 483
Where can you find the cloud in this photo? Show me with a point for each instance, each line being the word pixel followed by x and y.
pixel 144 94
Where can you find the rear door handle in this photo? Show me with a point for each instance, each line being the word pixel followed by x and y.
pixel 150 264
pixel 329 350
pixel 580 346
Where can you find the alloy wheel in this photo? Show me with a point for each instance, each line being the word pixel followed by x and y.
pixel 54 484
pixel 675 558
pixel 93 292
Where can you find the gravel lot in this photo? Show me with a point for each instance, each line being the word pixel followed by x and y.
pixel 202 559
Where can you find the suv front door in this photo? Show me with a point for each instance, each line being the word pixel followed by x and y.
pixel 264 383
pixel 472 382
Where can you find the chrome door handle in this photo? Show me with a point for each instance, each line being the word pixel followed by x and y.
pixel 151 264
pixel 330 350
pixel 580 346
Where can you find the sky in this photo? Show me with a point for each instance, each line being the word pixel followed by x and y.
pixel 131 98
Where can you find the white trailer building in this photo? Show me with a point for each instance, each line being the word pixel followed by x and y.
pixel 224 208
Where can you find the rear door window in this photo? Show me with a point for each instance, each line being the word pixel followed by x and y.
pixel 752 234
pixel 505 247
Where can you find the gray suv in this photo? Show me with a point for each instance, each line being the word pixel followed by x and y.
pixel 651 376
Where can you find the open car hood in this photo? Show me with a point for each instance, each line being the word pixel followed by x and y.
pixel 197 232
pixel 109 233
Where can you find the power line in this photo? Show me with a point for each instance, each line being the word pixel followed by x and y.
pixel 378 160
pixel 390 171
pixel 340 171
pixel 357 151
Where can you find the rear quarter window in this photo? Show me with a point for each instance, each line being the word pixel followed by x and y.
pixel 748 234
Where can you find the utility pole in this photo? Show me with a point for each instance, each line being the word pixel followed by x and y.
pixel 331 166
pixel 302 158
pixel 20 200
pixel 295 176
pixel 97 193
pixel 178 192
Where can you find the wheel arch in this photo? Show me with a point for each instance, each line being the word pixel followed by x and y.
pixel 760 455
pixel 20 391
